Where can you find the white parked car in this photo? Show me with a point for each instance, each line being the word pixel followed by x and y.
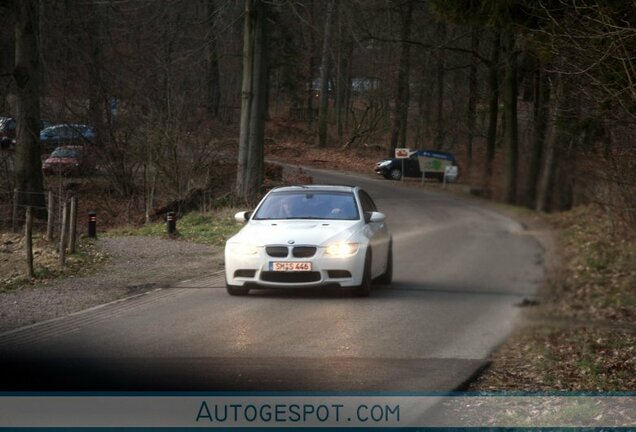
pixel 303 236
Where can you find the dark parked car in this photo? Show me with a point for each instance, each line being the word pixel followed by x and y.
pixel 7 130
pixel 68 160
pixel 66 134
pixel 392 168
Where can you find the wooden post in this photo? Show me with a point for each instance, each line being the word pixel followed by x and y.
pixel 14 221
pixel 72 241
pixel 49 217
pixel 62 251
pixel 28 241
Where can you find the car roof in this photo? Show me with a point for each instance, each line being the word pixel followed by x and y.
pixel 72 147
pixel 329 188
pixel 434 154
pixel 71 125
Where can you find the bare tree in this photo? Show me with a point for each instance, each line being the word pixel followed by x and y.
pixel 493 110
pixel 401 104
pixel 510 110
pixel 324 75
pixel 540 113
pixel 472 98
pixel 251 139
pixel 27 79
pixel 212 61
pixel 439 85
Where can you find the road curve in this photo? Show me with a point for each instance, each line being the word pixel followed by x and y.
pixel 460 270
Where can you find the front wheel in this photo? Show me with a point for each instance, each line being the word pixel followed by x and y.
pixel 364 289
pixel 387 277
pixel 395 173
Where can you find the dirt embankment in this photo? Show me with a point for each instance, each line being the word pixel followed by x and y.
pixel 581 336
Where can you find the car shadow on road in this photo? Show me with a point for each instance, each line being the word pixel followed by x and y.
pixel 396 289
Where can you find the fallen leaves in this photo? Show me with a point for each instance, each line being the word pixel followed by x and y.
pixel 582 336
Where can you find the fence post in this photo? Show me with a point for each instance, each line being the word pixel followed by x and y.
pixel 28 241
pixel 92 224
pixel 62 251
pixel 49 217
pixel 73 226
pixel 172 223
pixel 14 222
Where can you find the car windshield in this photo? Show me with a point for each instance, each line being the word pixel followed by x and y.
pixel 309 205
pixel 65 153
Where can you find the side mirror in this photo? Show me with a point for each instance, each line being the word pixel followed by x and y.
pixel 242 216
pixel 374 217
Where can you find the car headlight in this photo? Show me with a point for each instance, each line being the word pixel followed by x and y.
pixel 384 163
pixel 342 249
pixel 242 249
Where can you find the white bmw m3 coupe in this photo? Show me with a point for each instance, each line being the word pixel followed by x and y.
pixel 306 236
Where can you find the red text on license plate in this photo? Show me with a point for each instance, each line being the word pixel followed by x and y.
pixel 289 266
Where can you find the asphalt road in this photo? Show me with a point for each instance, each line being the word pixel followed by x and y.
pixel 460 271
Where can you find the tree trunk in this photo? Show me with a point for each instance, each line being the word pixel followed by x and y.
pixel 493 111
pixel 347 89
pixel 541 102
pixel 324 76
pixel 559 136
pixel 401 105
pixel 424 99
pixel 510 109
pixel 28 165
pixel 258 111
pixel 440 75
pixel 340 82
pixel 311 61
pixel 254 94
pixel 556 186
pixel 213 76
pixel 7 62
pixel 246 99
pixel 95 83
pixel 472 99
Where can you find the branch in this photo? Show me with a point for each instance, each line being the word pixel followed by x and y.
pixel 475 54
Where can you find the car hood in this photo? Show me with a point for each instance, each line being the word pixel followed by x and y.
pixel 301 232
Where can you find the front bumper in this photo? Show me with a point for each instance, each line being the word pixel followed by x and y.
pixel 63 169
pixel 383 171
pixel 253 270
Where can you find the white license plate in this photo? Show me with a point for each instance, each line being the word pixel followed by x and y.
pixel 289 266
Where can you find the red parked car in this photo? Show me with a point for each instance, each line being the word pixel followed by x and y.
pixel 68 160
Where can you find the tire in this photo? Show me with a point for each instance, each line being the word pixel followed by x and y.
pixel 395 174
pixel 234 290
pixel 364 289
pixel 387 277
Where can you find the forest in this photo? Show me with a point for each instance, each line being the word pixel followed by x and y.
pixel 537 99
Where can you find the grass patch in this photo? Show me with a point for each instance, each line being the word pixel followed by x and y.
pixel 213 228
pixel 13 268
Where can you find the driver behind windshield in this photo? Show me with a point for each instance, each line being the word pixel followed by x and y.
pixel 308 206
